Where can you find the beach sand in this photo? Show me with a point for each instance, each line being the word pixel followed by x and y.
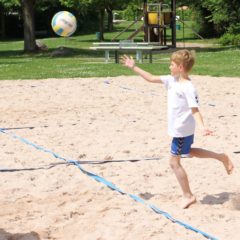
pixel 97 124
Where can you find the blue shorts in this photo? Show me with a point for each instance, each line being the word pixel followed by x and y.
pixel 182 146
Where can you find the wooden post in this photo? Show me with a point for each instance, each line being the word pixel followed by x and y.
pixel 145 21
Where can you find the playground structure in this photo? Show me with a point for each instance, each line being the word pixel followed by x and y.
pixel 157 18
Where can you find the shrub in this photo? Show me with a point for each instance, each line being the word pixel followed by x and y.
pixel 230 39
pixel 226 39
pixel 236 40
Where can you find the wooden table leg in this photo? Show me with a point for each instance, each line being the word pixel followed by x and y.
pixel 150 57
pixel 116 56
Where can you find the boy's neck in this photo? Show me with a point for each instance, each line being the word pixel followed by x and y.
pixel 183 77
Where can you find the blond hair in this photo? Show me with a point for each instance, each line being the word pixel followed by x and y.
pixel 184 57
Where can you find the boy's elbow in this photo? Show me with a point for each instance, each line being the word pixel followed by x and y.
pixel 194 110
pixel 154 79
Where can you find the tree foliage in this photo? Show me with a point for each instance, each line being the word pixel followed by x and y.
pixel 225 14
pixel 9 4
pixel 216 16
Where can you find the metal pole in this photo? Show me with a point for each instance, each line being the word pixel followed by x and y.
pixel 183 28
pixel 173 9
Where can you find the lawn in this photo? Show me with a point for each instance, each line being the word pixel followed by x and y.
pixel 83 62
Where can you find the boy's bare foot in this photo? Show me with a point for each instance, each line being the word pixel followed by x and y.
pixel 186 202
pixel 227 163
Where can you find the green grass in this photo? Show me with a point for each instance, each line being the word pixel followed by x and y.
pixel 83 62
pixel 218 62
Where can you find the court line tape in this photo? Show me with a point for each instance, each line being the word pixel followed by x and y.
pixel 132 89
pixel 143 92
pixel 110 185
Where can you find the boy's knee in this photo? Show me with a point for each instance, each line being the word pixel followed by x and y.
pixel 192 152
pixel 174 162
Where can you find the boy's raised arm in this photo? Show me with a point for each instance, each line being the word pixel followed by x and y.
pixel 130 63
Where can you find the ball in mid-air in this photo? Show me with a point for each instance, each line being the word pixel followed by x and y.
pixel 64 23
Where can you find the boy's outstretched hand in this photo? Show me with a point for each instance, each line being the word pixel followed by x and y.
pixel 128 61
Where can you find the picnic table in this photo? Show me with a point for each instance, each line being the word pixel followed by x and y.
pixel 139 48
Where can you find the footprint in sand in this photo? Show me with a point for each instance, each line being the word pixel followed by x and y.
pixel 108 158
pixel 83 155
pixel 146 195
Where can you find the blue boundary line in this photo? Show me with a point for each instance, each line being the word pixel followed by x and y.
pixel 132 89
pixel 151 93
pixel 111 185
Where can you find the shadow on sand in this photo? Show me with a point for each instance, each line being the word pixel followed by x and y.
pixel 219 198
pixel 18 236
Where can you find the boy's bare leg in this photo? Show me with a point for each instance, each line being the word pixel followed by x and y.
pixel 222 157
pixel 182 178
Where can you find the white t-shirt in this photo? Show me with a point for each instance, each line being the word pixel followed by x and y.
pixel 182 96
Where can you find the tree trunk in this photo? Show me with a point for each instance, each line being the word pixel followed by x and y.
pixel 110 19
pixel 2 25
pixel 101 24
pixel 29 25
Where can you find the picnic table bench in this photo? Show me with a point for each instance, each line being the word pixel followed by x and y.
pixel 139 48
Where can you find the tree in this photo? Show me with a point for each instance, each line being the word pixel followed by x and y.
pixel 109 6
pixel 225 15
pixel 28 8
pixel 5 6
pixel 216 16
pixel 114 5
pixel 2 21
pixel 85 8
pixel 28 15
pixel 100 7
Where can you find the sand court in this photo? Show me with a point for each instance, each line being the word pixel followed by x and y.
pixel 104 127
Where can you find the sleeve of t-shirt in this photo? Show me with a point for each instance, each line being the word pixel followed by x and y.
pixel 192 97
pixel 166 80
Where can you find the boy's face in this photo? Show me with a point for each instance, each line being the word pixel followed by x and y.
pixel 175 69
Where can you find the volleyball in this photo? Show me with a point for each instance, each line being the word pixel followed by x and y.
pixel 64 23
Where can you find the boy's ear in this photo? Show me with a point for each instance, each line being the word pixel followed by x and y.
pixel 181 67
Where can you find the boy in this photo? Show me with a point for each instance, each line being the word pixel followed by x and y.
pixel 183 112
